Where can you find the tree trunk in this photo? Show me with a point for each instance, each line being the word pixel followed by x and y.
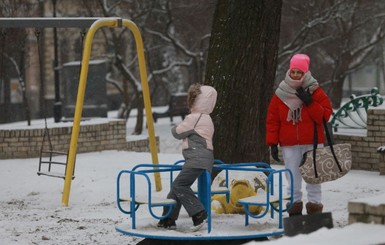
pixel 337 92
pixel 241 65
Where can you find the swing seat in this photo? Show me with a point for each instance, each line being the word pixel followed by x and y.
pixel 53 174
pixel 53 160
pixel 54 164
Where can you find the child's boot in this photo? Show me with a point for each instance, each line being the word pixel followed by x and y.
pixel 199 220
pixel 167 223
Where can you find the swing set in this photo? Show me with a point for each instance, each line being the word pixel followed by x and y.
pixel 93 24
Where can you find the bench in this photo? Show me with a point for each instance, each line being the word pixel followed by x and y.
pixel 177 106
pixel 271 199
pixel 146 197
pixel 353 114
pixel 135 200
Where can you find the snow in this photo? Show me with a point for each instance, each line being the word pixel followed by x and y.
pixel 373 201
pixel 355 234
pixel 32 212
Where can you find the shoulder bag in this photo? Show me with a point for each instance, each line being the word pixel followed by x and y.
pixel 325 164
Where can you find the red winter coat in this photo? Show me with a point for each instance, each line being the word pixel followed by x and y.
pixel 285 133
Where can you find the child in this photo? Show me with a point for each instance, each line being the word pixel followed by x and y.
pixel 196 131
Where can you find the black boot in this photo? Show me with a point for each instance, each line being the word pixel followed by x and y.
pixel 199 220
pixel 167 223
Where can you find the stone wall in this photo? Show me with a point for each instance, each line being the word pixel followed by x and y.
pixel 109 135
pixel 364 147
pixel 367 210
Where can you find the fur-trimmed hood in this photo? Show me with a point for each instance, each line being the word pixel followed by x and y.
pixel 205 102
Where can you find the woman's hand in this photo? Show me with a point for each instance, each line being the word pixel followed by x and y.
pixel 305 96
pixel 274 152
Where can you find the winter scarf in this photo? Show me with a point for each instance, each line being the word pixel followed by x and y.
pixel 286 92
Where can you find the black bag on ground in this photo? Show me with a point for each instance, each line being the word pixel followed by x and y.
pixel 305 224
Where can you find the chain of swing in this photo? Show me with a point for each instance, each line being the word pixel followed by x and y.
pixel 49 158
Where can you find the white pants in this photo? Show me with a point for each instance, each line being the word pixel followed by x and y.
pixel 292 156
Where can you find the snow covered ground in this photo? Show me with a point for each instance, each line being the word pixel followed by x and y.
pixel 31 210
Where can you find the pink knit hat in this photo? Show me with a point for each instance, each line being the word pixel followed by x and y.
pixel 301 62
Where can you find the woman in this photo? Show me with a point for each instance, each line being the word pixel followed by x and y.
pixel 297 104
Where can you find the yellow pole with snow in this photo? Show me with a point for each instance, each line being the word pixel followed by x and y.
pixel 109 22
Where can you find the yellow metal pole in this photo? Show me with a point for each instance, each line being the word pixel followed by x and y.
pixel 79 103
pixel 80 99
pixel 146 96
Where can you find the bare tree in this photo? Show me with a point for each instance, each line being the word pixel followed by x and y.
pixel 340 36
pixel 166 46
pixel 12 58
pixel 193 50
pixel 241 66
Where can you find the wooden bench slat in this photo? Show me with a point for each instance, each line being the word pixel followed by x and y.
pixel 261 199
pixel 219 189
pixel 214 190
pixel 144 200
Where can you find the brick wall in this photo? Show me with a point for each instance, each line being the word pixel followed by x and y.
pixel 364 148
pixel 381 164
pixel 367 210
pixel 111 135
